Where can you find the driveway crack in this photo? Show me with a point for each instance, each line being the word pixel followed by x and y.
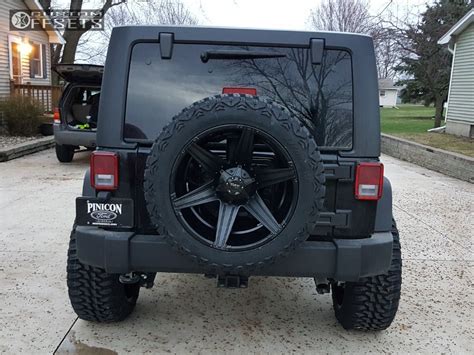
pixel 65 335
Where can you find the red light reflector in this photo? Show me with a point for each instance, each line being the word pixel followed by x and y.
pixel 56 117
pixel 247 91
pixel 104 170
pixel 369 181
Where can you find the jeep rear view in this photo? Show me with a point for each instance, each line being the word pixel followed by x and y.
pixel 234 153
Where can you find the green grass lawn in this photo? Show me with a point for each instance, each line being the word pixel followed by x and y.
pixel 412 122
pixel 407 119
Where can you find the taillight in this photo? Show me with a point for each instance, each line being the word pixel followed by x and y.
pixel 247 91
pixel 369 181
pixel 56 116
pixel 104 170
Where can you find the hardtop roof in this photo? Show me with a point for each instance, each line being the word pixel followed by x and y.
pixel 240 35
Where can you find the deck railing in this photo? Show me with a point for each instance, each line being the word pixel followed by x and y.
pixel 47 95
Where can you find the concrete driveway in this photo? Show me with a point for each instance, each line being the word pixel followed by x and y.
pixel 187 314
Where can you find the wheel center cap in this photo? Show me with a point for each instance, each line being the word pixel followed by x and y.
pixel 234 185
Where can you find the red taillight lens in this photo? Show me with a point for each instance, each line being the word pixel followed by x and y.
pixel 104 170
pixel 247 91
pixel 56 117
pixel 369 181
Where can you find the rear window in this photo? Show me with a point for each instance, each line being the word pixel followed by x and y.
pixel 319 95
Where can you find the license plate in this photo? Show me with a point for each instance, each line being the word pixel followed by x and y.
pixel 115 212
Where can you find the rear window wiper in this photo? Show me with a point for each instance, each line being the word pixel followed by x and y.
pixel 238 54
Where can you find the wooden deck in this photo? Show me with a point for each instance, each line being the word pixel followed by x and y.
pixel 47 95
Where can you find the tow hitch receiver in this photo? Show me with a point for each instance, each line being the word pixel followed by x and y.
pixel 146 280
pixel 232 281
pixel 322 286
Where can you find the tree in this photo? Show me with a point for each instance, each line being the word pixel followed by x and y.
pixel 153 12
pixel 386 52
pixel 413 92
pixel 427 62
pixel 171 12
pixel 93 46
pixel 354 16
pixel 342 16
pixel 316 94
pixel 67 52
pixel 82 41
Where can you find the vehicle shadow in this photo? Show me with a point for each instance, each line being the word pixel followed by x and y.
pixel 81 158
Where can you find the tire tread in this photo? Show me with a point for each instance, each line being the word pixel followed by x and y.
pixel 94 294
pixel 243 102
pixel 372 302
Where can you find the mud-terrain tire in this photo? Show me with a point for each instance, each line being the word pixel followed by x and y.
pixel 96 295
pixel 252 112
pixel 64 153
pixel 372 302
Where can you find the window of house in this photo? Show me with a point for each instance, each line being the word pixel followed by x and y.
pixel 15 64
pixel 36 62
pixel 382 92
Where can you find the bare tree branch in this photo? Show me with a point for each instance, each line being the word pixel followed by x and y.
pixel 154 12
pixel 342 16
pixel 354 16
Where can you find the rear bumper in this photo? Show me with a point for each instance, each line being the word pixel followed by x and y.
pixel 65 136
pixel 342 260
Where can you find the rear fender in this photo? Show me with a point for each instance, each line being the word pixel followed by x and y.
pixel 383 218
pixel 87 189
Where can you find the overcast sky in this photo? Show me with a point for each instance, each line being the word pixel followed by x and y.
pixel 283 14
pixel 271 14
pixel 275 14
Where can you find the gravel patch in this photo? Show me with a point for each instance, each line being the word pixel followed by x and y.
pixel 10 141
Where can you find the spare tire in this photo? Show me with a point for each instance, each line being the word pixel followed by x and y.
pixel 234 182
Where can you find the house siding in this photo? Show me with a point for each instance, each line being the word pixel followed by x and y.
pixel 390 98
pixel 34 36
pixel 461 92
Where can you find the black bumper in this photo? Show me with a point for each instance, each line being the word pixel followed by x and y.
pixel 65 136
pixel 342 259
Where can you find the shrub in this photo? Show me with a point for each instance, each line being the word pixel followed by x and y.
pixel 23 115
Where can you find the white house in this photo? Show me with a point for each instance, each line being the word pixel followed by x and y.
pixel 460 108
pixel 25 66
pixel 388 93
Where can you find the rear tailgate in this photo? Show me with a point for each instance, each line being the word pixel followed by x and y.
pixel 80 73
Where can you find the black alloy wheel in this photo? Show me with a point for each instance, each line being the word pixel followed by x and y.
pixel 234 188
pixel 234 182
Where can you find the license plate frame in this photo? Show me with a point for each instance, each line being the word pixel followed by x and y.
pixel 113 212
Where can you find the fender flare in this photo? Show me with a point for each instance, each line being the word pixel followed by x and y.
pixel 383 218
pixel 87 189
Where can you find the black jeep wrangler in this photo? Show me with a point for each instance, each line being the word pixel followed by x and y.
pixel 232 153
